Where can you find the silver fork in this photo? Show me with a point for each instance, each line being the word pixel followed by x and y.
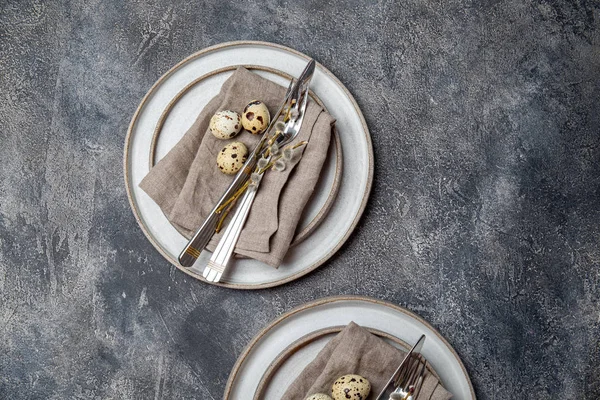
pixel 409 382
pixel 220 258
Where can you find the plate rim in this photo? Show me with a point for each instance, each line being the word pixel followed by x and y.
pixel 366 194
pixel 331 299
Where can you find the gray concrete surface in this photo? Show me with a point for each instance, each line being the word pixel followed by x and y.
pixel 484 215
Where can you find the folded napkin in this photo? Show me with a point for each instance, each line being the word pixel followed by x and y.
pixel 356 351
pixel 186 183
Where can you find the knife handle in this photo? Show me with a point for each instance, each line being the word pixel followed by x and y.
pixel 192 250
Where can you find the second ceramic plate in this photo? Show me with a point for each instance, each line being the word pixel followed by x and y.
pixel 276 356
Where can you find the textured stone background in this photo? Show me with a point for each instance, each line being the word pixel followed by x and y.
pixel 484 216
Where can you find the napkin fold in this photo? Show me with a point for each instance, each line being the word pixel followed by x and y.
pixel 356 351
pixel 186 183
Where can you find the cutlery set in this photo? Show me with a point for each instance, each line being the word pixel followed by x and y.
pixel 292 112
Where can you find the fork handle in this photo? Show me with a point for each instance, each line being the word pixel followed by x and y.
pixel 220 258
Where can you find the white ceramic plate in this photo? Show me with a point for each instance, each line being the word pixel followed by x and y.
pixel 294 329
pixel 171 126
pixel 356 149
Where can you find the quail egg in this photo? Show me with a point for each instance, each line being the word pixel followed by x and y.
pixel 232 157
pixel 318 396
pixel 225 124
pixel 256 117
pixel 353 387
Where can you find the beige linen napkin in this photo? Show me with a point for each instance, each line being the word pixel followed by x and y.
pixel 186 183
pixel 356 351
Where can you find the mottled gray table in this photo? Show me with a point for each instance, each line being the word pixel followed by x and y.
pixel 484 216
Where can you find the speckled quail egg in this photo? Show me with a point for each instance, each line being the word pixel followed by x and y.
pixel 353 387
pixel 256 117
pixel 232 157
pixel 225 124
pixel 318 396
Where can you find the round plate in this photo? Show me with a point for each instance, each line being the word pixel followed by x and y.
pixel 254 369
pixel 171 126
pixel 357 158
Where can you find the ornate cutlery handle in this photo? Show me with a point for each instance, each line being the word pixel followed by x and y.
pixel 220 258
pixel 198 242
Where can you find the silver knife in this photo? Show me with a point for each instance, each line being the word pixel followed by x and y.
pixel 198 242
pixel 406 380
